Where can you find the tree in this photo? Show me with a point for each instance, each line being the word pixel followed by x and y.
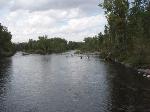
pixel 116 13
pixel 5 40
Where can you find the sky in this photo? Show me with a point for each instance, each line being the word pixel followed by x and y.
pixel 70 19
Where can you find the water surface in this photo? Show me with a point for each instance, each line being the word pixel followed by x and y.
pixel 65 83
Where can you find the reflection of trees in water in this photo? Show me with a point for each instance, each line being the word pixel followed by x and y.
pixel 130 92
pixel 5 69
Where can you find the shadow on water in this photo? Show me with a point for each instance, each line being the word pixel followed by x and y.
pixel 5 70
pixel 130 92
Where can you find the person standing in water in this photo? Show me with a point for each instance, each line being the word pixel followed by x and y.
pixel 88 57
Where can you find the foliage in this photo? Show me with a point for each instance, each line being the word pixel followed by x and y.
pixel 74 45
pixel 6 47
pixel 45 45
pixel 126 37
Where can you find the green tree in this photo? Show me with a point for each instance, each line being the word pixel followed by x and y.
pixel 5 41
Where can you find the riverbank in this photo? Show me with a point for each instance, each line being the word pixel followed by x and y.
pixel 41 52
pixel 141 69
pixel 87 53
pixel 7 54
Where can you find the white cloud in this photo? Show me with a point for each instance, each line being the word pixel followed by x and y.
pixel 34 5
pixel 3 3
pixel 68 20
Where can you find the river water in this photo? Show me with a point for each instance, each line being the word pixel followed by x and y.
pixel 65 83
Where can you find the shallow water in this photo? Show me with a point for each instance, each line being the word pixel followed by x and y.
pixel 65 83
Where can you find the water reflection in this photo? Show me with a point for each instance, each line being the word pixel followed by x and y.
pixel 5 78
pixel 130 92
pixel 57 83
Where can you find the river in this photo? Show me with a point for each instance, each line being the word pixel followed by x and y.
pixel 65 83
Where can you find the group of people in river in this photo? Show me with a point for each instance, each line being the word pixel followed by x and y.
pixel 81 57
pixel 88 57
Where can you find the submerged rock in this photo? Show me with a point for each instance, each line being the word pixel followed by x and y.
pixel 145 72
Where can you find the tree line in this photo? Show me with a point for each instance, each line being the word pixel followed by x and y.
pixel 126 37
pixel 45 45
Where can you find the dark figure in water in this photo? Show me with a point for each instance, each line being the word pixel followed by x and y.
pixel 81 57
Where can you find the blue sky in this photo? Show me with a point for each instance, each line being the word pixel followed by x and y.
pixel 70 19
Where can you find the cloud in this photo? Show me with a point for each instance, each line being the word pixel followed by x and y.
pixel 34 5
pixel 70 19
pixel 3 3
